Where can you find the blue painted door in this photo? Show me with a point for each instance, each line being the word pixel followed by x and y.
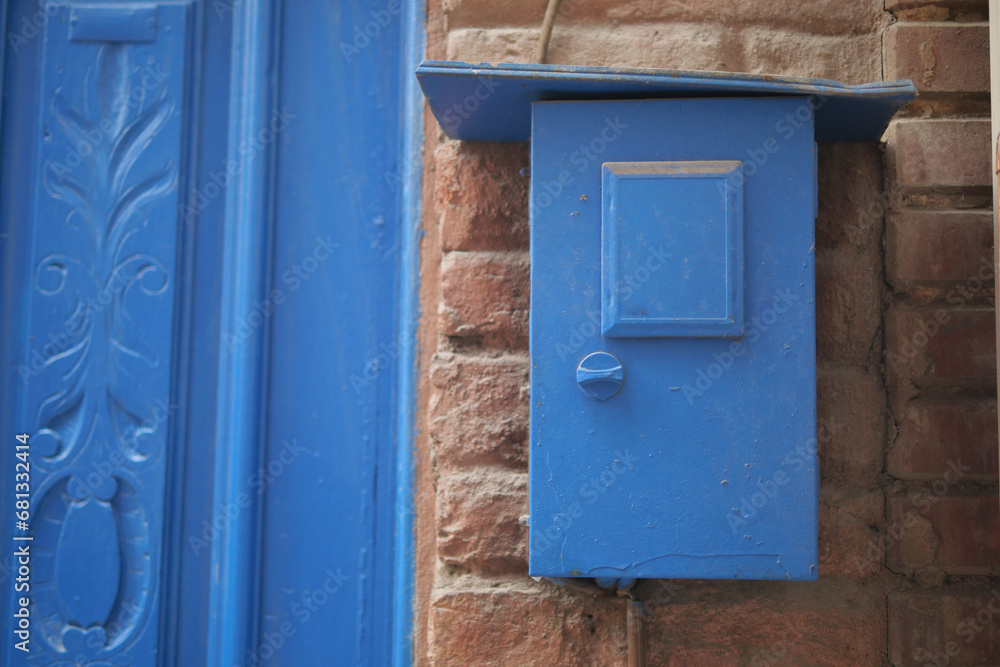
pixel 203 329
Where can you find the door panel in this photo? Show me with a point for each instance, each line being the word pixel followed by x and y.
pixel 329 438
pixel 121 162
pixel 98 351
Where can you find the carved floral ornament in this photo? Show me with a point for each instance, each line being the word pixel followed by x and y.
pixel 94 414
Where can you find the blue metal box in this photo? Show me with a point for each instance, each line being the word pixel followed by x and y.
pixel 675 236
pixel 673 379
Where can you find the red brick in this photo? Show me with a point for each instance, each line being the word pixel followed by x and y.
pixel 822 16
pixel 893 5
pixel 482 192
pixel 925 13
pixel 478 520
pixel 956 534
pixel 486 296
pixel 927 247
pixel 822 623
pixel 486 14
pixel 939 153
pixel 932 434
pixel 939 57
pixel 851 59
pixel 854 58
pixel 925 626
pixel 851 206
pixel 496 624
pixel 478 412
pixel 698 657
pixel 941 343
pixel 848 305
pixel 670 45
pixel 845 533
pixel 851 407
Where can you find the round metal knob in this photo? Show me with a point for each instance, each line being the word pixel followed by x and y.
pixel 600 375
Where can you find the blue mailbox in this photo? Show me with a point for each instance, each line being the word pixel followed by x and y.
pixel 673 360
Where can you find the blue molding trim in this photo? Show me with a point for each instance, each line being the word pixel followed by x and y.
pixel 4 11
pixel 235 562
pixel 492 102
pixel 692 245
pixel 170 577
pixel 412 114
pixel 127 23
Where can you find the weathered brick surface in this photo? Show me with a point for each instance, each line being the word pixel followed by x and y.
pixel 955 533
pixel 478 526
pixel 482 191
pixel 955 627
pixel 932 434
pixel 941 343
pixel 851 203
pixel 851 405
pixel 698 656
pixel 704 46
pixel 479 411
pixel 957 11
pixel 848 306
pixel 850 59
pixel 825 17
pixel 940 246
pixel 939 153
pixel 845 534
pixel 873 292
pixel 698 46
pixel 939 57
pixel 486 296
pixel 482 622
pixel 967 5
pixel 946 524
pixel 825 623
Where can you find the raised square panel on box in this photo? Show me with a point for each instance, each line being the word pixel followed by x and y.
pixel 676 228
pixel 673 379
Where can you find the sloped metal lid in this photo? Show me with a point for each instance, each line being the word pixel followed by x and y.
pixel 492 102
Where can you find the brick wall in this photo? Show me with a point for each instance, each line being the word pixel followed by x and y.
pixel 909 529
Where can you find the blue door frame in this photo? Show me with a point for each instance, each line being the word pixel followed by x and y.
pixel 209 225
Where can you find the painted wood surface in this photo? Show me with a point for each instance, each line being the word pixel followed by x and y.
pixel 208 279
pixel 703 464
